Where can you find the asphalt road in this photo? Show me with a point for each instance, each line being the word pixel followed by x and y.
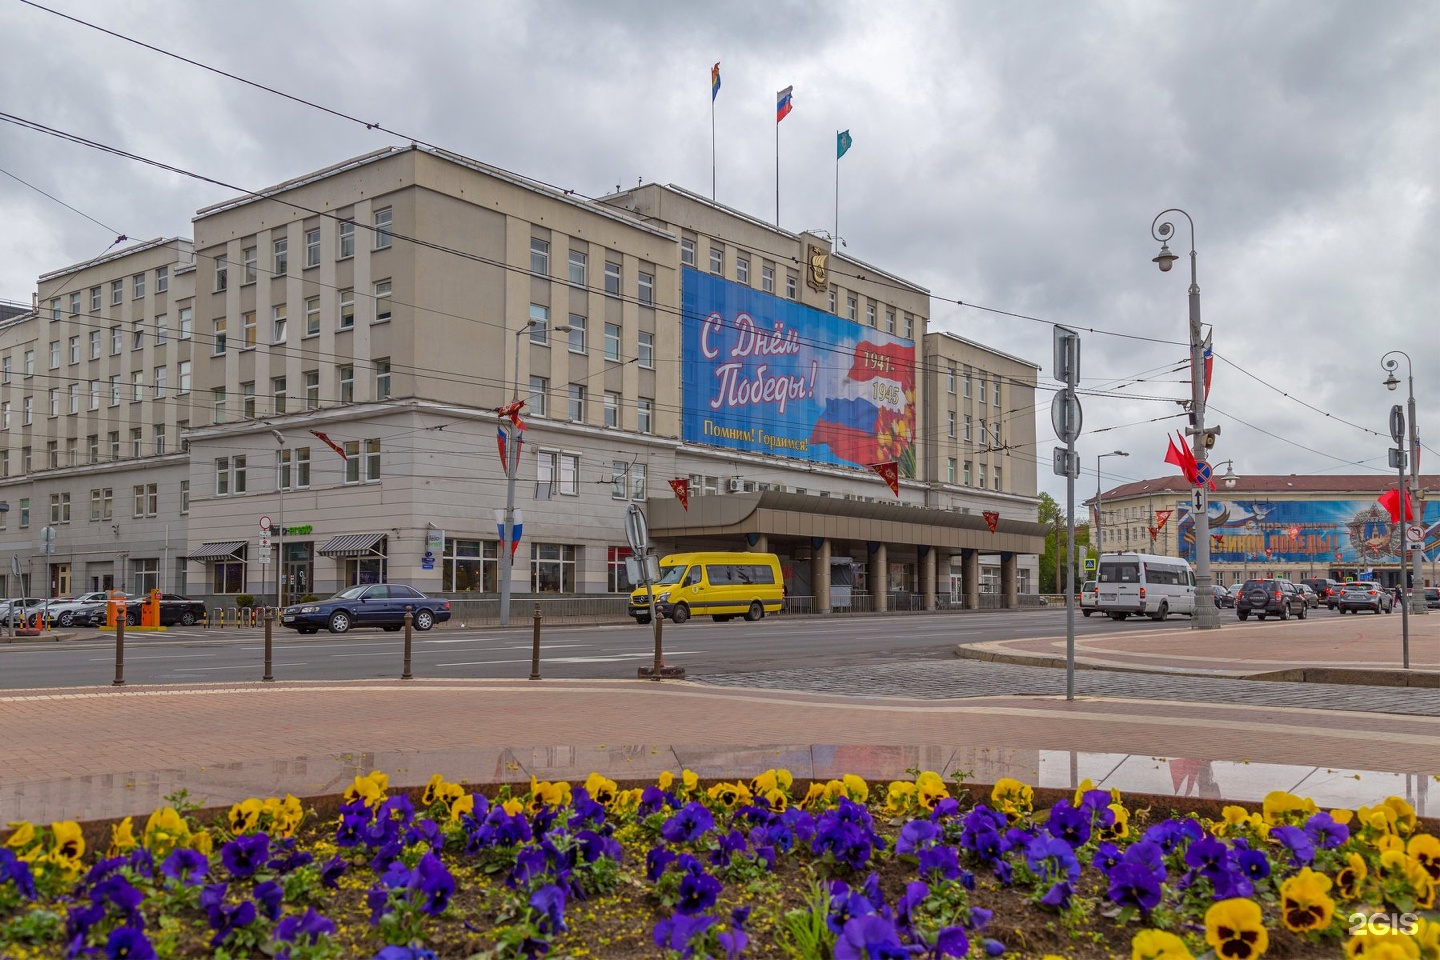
pixel 705 649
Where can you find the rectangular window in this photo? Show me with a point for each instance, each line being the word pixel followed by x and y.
pixel 222 274
pixel 27 460
pixel 55 309
pixel 382 301
pixel 114 389
pixel 54 354
pixel 833 302
pixel 995 393
pixel 117 292
pixel 162 279
pixel 346 375
pixel 184 497
pixel 137 385
pixel 612 410
pixel 576 403
pixel 870 314
pixel 382 379
pixel 312 248
pixel 137 442
pixel 687 252
pixel 54 395
pixel 222 477
pixel 646 350
pixel 147 499
pixel 742 268
pixel 950 379
pixel 966 436
pixel 278 324
pixel 909 332
pixel 612 279
pixel 982 389
pixel 767 276
pixel 94 394
pixel 982 475
pixel 251 264
pixel 372 461
pixel 852 308
pixel 183 376
pixel 312 316
pixel 965 383
pixel 75 349
pixel 552 568
pixel 967 473
pixel 247 400
pixel 29 411
pixel 92 444
pixel 996 478
pixel 280 256
pixel 52 454
pixel 347 309
pixel 539 324
pixel 577 334
pixel 540 257
pixel 217 401
pixel 94 299
pixel 352 461
pixel 546 466
pixel 950 470
pixel 278 394
pixel 5 415
pixel 619 480
pixel 644 415
pixel 112 440
pixel 137 336
pixel 950 428
pixel 539 388
pixel 247 327
pixel 159 433
pixel 162 378
pixel 30 362
pixel 984 436
pixel 569 474
pixel 612 341
pixel 74 398
pixel 578 263
pixel 24 512
pixel 647 288
pixel 618 580
pixel 384 224
pixel 74 304
pixel 162 332
pixel 187 323
pixel 717 260
pixel 792 281
pixel 470 566
pixel 219 337
pixel 6 368
pixel 138 282
pixel 94 504
pixel 347 239
pixel 312 389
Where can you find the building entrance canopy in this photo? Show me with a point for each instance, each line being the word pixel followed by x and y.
pixel 354 545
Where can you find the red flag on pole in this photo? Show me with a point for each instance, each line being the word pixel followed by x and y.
pixel 890 473
pixel 511 412
pixel 1161 516
pixel 329 443
pixel 1154 532
pixel 500 442
pixel 1173 455
pixel 992 517
pixel 681 487
pixel 1390 500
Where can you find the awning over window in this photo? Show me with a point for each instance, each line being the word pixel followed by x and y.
pixel 219 550
pixel 354 545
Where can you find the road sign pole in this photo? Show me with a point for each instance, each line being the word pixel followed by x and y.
pixel 1066 418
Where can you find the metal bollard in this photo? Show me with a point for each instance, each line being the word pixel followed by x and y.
pixel 119 652
pixel 535 648
pixel 269 620
pixel 659 656
pixel 406 675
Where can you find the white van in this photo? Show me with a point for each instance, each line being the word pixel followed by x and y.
pixel 1146 585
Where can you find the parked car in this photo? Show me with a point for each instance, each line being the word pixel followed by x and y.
pixel 1089 597
pixel 1220 595
pixel 369 605
pixel 1432 598
pixel 62 611
pixel 1312 600
pixel 17 611
pixel 1366 596
pixel 1270 597
pixel 1322 587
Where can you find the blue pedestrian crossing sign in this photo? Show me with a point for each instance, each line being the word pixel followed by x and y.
pixel 1090 564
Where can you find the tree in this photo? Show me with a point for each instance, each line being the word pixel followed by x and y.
pixel 1052 561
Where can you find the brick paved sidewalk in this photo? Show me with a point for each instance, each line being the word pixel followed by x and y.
pixel 101 751
pixel 1367 645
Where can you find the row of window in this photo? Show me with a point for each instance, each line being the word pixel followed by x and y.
pixel 102 504
pixel 117 293
pixel 280 250
pixel 292 468
pixel 67 400
pixel 967 384
pixel 77 350
pixel 280 392
pixel 576 397
pixel 742 268
pixel 578 271
pixel 70 457
pixel 989 434
pixel 473 566
pixel 966 477
pixel 577 338
pixel 280 319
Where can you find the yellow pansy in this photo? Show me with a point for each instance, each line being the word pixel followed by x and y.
pixel 1390 844
pixel 601 789
pixel 69 841
pixel 1305 903
pixel 463 806
pixel 1342 816
pixel 627 801
pixel 778 800
pixel 1404 815
pixel 122 838
pixel 1236 929
pixel 731 795
pixel 244 816
pixel 1349 877
pixel 1387 943
pixel 164 831
pixel 1425 848
pixel 23 837
pixel 1120 829
pixel 930 789
pixel 1427 937
pixel 369 788
pixel 1376 820
pixel 814 796
pixel 201 842
pixel 546 794
pixel 899 797
pixel 689 781
pixel 431 792
pixel 1280 807
pixel 665 779
pixel 513 806
pixel 849 786
pixel 1011 797
pixel 1158 945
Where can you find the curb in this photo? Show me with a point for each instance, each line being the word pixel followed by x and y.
pixel 1343 676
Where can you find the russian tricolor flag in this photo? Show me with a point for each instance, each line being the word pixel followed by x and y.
pixel 783 106
pixel 847 427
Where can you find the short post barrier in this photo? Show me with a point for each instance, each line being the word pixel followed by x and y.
pixel 235 615
pixel 119 650
pixel 535 647
pixel 659 654
pixel 269 623
pixel 408 622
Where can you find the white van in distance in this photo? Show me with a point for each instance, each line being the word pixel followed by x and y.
pixel 1146 585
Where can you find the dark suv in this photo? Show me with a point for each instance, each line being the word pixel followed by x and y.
pixel 1264 598
pixel 1323 587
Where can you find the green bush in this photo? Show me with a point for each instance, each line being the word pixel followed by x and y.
pixel 244 600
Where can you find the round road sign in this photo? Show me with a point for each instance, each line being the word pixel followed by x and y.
pixel 1414 533
pixel 264 523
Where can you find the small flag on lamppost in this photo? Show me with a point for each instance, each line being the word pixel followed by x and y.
pixel 681 488
pixel 890 473
pixel 992 518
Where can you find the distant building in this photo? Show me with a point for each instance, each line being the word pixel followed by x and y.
pixel 1284 526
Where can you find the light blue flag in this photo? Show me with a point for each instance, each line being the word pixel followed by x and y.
pixel 842 143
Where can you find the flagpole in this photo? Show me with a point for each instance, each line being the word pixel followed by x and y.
pixel 834 242
pixel 777 169
pixel 712 146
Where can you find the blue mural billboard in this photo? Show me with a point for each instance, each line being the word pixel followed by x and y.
pixel 768 375
pixel 1344 532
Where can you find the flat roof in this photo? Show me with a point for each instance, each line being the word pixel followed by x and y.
pixel 980 346
pixel 118 254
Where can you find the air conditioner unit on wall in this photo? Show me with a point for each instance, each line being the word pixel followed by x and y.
pixel 735 485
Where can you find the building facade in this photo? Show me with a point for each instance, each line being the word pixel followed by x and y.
pixel 1276 526
pixel 330 354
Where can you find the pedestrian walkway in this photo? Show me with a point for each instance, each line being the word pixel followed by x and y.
pixel 107 751
pixel 1358 648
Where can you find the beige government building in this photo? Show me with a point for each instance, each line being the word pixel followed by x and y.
pixel 331 352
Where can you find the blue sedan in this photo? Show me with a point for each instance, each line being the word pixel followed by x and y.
pixel 370 605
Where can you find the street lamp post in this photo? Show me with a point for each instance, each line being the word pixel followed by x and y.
pixel 1205 617
pixel 512 468
pixel 1099 502
pixel 1407 559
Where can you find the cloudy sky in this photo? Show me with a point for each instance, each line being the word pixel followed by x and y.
pixel 1006 155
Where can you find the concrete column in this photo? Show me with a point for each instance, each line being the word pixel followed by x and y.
pixel 942 577
pixel 1009 580
pixel 761 544
pixel 880 578
pixel 970 578
pixel 820 577
pixel 927 577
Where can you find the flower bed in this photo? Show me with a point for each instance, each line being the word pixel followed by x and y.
pixel 768 868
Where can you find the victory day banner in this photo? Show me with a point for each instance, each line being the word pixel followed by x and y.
pixel 1298 531
pixel 768 375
